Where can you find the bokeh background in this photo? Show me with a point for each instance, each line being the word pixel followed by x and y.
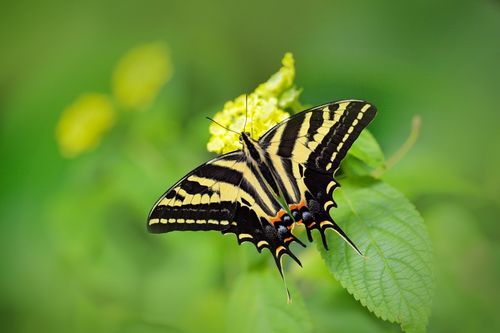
pixel 75 254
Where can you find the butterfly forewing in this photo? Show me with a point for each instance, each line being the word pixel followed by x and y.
pixel 214 197
pixel 319 137
pixel 202 200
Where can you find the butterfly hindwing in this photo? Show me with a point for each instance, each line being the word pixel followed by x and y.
pixel 258 217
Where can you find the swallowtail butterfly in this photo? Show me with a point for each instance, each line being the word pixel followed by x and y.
pixel 239 192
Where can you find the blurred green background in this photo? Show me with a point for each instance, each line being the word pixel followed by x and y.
pixel 75 253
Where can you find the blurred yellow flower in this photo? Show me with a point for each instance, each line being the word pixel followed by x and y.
pixel 83 123
pixel 262 109
pixel 280 81
pixel 140 75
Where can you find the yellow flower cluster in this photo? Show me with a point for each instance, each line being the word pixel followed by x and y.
pixel 137 80
pixel 83 123
pixel 262 109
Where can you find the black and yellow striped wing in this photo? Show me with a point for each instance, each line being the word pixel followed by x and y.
pixel 225 194
pixel 205 199
pixel 297 159
pixel 306 150
pixel 320 137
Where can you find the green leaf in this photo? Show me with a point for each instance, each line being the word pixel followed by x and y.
pixel 367 149
pixel 258 304
pixel 395 278
pixel 343 319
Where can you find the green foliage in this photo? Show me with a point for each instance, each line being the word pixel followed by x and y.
pixel 365 157
pixel 394 279
pixel 257 304
pixel 367 149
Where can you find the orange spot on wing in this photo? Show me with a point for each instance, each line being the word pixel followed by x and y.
pixel 278 216
pixel 297 206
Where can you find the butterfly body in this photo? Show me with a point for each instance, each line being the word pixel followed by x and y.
pixel 262 191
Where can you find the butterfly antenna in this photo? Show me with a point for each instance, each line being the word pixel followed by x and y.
pixel 251 123
pixel 246 112
pixel 230 130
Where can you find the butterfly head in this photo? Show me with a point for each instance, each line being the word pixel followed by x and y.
pixel 251 147
pixel 244 137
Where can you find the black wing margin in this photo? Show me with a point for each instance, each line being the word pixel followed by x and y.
pixel 320 137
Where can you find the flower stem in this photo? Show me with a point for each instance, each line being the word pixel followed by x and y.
pixel 416 124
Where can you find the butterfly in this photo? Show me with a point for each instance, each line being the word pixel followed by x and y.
pixel 260 192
